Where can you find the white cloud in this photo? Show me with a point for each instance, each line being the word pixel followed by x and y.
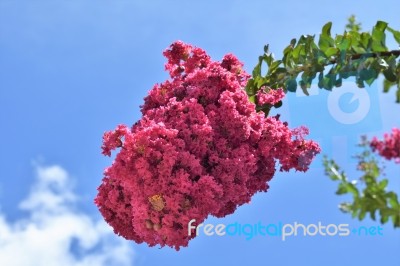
pixel 55 233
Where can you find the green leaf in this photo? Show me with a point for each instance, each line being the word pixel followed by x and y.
pixel 365 40
pixel 358 49
pixel 299 51
pixel 343 43
pixel 325 40
pixel 387 85
pixel 274 65
pixel 384 219
pixel 390 76
pixel 291 85
pixel 372 214
pixel 378 37
pixel 360 82
pixel 252 99
pixel 383 184
pixel 326 29
pixel 331 51
pixel 257 71
pixel 257 68
pixel 278 104
pixel 366 74
pixel 259 81
pixel 266 48
pixel 370 81
pixel 362 214
pixel 342 189
pixel 393 200
pixel 288 50
pixel 356 42
pixel 329 81
pixel 354 53
pixel 378 47
pixel 265 109
pixel 398 94
pixel 380 26
pixel 352 189
pixel 352 25
pixel 396 220
pixel 338 82
pixel 303 87
pixel 396 34
pixel 345 207
pixel 268 58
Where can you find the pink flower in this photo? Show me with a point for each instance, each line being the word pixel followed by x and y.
pixel 200 149
pixel 389 147
pixel 269 96
pixel 113 139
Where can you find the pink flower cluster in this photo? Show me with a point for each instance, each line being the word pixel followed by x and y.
pixel 269 96
pixel 389 147
pixel 200 149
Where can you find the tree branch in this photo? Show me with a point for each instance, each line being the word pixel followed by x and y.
pixel 369 55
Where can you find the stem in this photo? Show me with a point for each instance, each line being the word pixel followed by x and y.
pixel 368 55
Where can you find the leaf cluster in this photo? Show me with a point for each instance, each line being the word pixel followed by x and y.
pixel 369 194
pixel 361 55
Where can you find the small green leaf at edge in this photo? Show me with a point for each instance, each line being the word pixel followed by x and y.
pixel 396 34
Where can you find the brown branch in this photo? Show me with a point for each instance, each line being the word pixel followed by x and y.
pixel 369 55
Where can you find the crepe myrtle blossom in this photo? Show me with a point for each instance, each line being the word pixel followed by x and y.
pixel 199 149
pixel 269 96
pixel 389 147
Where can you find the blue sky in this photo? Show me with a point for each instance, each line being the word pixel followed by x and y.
pixel 70 70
